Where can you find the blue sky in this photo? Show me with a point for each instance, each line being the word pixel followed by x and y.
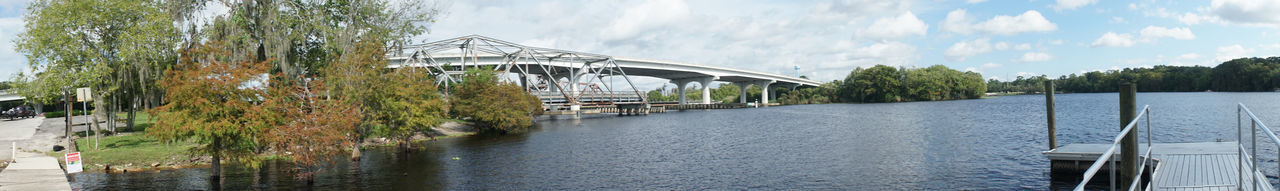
pixel 827 39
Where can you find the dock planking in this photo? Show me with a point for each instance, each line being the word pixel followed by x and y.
pixel 1178 166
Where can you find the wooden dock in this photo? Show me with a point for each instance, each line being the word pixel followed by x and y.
pixel 1178 166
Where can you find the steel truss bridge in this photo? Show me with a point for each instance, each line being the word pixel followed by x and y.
pixel 570 78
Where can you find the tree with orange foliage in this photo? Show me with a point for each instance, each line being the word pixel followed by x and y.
pixel 306 127
pixel 208 96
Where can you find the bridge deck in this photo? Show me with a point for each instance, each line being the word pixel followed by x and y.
pixel 1179 166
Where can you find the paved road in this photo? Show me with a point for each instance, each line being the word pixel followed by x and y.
pixel 17 130
pixel 32 170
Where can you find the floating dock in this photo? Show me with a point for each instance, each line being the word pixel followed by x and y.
pixel 1178 166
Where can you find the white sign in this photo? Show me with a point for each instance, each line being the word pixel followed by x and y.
pixel 73 163
pixel 83 95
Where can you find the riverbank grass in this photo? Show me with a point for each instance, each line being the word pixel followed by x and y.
pixel 133 151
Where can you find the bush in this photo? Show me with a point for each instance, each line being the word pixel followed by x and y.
pixel 493 105
pixel 57 114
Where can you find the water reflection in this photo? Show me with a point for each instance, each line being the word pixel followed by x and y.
pixel 951 145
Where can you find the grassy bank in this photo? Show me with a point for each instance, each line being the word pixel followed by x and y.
pixel 133 151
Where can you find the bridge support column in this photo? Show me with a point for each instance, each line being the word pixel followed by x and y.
pixel 706 89
pixel 764 92
pixel 742 91
pixel 680 85
pixel 553 82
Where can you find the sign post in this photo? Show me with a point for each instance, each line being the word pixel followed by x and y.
pixel 84 96
pixel 73 163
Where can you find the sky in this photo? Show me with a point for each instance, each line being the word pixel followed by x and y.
pixel 828 38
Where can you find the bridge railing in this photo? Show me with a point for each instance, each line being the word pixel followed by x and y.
pixel 1255 125
pixel 1107 156
pixel 590 96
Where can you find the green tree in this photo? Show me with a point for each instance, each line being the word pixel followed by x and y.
pixel 493 105
pixel 406 103
pixel 118 48
pixel 879 83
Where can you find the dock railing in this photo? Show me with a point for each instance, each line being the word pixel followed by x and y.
pixel 1107 156
pixel 1255 125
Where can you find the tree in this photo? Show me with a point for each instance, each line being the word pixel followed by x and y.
pixel 209 99
pixel 493 105
pixel 876 84
pixel 118 48
pixel 406 103
pixel 304 126
pixel 304 36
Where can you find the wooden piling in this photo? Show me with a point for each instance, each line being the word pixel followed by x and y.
pixel 1128 144
pixel 1048 105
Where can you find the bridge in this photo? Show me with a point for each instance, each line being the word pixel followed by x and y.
pixel 563 77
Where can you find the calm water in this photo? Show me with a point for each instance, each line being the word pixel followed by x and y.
pixel 969 144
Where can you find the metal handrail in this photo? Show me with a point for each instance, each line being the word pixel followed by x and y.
pixel 1106 156
pixel 1255 125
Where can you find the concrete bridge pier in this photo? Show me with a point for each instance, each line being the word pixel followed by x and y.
pixel 764 91
pixel 680 85
pixel 706 88
pixel 742 91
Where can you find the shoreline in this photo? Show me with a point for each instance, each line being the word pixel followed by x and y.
pixel 446 130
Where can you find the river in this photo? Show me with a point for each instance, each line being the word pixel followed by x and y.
pixel 979 144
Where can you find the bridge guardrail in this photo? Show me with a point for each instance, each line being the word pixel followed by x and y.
pixel 592 96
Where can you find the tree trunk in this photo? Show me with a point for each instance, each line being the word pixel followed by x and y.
pixel 355 152
pixel 133 108
pixel 216 171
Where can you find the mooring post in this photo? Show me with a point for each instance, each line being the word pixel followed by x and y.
pixel 1128 144
pixel 1048 105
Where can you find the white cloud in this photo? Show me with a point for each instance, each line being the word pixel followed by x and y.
pixel 1030 21
pixel 1189 56
pixel 646 16
pixel 1117 19
pixel 887 53
pixel 957 21
pixel 1226 53
pixel 965 49
pixel 1072 4
pixel 974 1
pixel 1055 42
pixel 1274 47
pixel 1146 35
pixel 1002 46
pixel 1023 46
pixel 905 24
pixel 990 65
pixel 1027 74
pixel 1249 12
pixel 1035 57
pixel 1153 32
pixel 1112 39
pixel 979 69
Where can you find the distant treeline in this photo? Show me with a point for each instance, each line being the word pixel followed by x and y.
pixel 1239 75
pixel 882 83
